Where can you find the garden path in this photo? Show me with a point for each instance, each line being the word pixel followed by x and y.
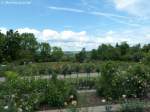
pixel 87 109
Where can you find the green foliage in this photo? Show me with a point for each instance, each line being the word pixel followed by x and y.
pixel 45 52
pixel 29 47
pixel 105 83
pixel 108 52
pixel 132 82
pixel 57 93
pixel 146 59
pixel 2 40
pixel 88 67
pixel 24 48
pixel 11 75
pixel 56 54
pixel 122 52
pixel 28 94
pixel 136 80
pixel 65 70
pixel 81 56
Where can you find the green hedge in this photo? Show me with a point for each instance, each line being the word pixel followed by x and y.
pixel 64 68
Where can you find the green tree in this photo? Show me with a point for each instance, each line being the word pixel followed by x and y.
pixel 2 41
pixel 77 70
pixel 137 56
pixel 146 48
pixel 94 54
pixel 98 69
pixel 88 68
pixel 81 56
pixel 56 54
pixel 124 48
pixel 12 45
pixel 65 70
pixel 29 46
pixel 105 82
pixel 45 51
pixel 108 52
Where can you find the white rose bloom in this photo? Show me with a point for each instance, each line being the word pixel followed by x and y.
pixel 13 96
pixel 124 96
pixel 5 107
pixel 74 102
pixel 103 100
pixel 71 96
pixel 65 103
pixel 20 110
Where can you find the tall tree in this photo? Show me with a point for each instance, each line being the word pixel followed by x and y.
pixel 108 52
pixel 12 45
pixel 81 56
pixel 29 46
pixel 146 48
pixel 56 54
pixel 124 48
pixel 45 51
pixel 2 41
pixel 94 54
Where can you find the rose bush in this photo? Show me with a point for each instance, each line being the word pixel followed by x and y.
pixel 114 82
pixel 27 94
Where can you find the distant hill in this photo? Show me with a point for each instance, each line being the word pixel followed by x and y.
pixel 71 52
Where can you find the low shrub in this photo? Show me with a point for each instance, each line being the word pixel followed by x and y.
pixel 57 93
pixel 132 81
pixel 27 94
pixel 105 83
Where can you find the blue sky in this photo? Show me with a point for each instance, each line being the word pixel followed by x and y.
pixel 74 24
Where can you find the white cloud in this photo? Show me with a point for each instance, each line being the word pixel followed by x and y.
pixel 3 30
pixel 96 13
pixel 112 37
pixel 29 30
pixel 74 41
pixel 111 16
pixel 74 36
pixel 47 34
pixel 68 40
pixel 134 7
pixel 108 15
pixel 16 2
pixel 122 4
pixel 66 9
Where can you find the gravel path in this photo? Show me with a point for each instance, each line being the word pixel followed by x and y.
pixel 87 109
pixel 2 79
pixel 60 76
pixel 87 91
pixel 81 75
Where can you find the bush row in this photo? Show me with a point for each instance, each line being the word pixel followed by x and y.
pixel 27 95
pixel 59 68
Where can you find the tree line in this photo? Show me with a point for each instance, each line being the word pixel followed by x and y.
pixel 119 52
pixel 24 47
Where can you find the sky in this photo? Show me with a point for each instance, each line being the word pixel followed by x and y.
pixel 74 24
